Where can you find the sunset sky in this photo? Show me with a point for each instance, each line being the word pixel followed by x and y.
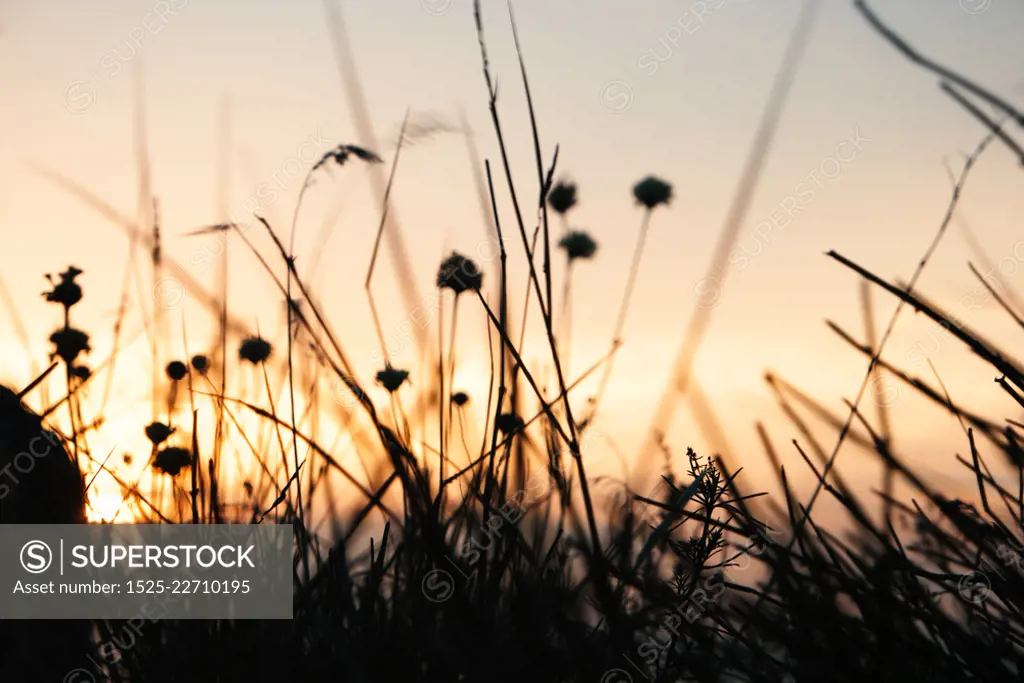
pixel 669 87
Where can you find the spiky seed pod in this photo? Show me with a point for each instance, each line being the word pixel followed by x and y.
pixel 562 197
pixel 256 350
pixel 176 370
pixel 459 274
pixel 172 460
pixel 652 191
pixel 392 378
pixel 578 244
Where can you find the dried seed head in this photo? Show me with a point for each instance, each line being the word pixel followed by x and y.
pixel 256 350
pixel 176 370
pixel 459 274
pixel 652 191
pixel 578 244
pixel 391 378
pixel 200 364
pixel 158 432
pixel 66 291
pixel 69 343
pixel 172 460
pixel 562 197
pixel 508 423
pixel 460 398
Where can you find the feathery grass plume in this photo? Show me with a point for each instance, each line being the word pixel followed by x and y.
pixel 562 197
pixel 69 343
pixel 460 398
pixel 172 460
pixel 200 363
pixel 176 370
pixel 459 274
pixel 340 155
pixel 255 350
pixel 158 432
pixel 652 191
pixel 392 378
pixel 578 245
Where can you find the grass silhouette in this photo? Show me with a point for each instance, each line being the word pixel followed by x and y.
pixel 510 566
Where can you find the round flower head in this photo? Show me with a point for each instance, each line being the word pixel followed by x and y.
pixel 256 350
pixel 127 458
pixel 69 343
pixel 578 244
pixel 459 274
pixel 507 423
pixel 200 363
pixel 172 460
pixel 460 398
pixel 652 191
pixel 66 292
pixel 158 432
pixel 176 370
pixel 81 372
pixel 391 378
pixel 562 197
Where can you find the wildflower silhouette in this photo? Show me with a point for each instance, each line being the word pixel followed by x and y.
pixel 459 274
pixel 578 245
pixel 66 292
pixel 172 460
pixel 176 370
pixel 562 196
pixel 508 423
pixel 650 193
pixel 69 343
pixel 561 199
pixel 200 363
pixel 392 378
pixel 158 432
pixel 255 350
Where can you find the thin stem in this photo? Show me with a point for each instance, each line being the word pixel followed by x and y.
pixel 620 323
